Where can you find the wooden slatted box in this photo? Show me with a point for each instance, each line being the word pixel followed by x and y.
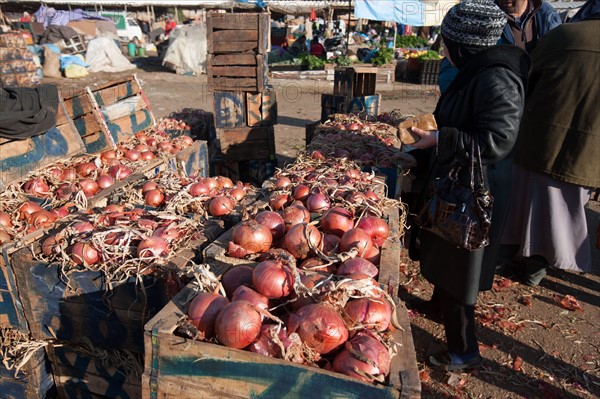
pixel 179 368
pixel 334 104
pixel 82 309
pixel 247 143
pixel 238 33
pixel 35 380
pixel 237 72
pixel 354 81
pixel 261 108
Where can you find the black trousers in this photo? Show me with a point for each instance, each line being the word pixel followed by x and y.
pixel 459 323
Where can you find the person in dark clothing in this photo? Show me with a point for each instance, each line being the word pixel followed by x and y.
pixel 483 103
pixel 316 48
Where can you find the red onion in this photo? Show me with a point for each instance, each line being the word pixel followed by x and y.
pixel 356 238
pixel 198 189
pixel 317 155
pixel 147 224
pixel 105 181
pixel 83 227
pixel 301 193
pixel 373 313
pixel 220 206
pixel 273 279
pixel 319 326
pixel 154 198
pixel 358 265
pixel 211 182
pixel 237 193
pixel 164 146
pixel 4 237
pixel 147 155
pixel 318 203
pixel 296 241
pixel 51 245
pixel 282 182
pixel 152 247
pixel 243 293
pixel 141 148
pixel 238 324
pixel 331 244
pixel 5 220
pixel 224 182
pixel 310 281
pixel 315 264
pixel 203 311
pixel 132 155
pixel 169 233
pixel 37 187
pixel 89 187
pixel 295 214
pixel 61 212
pixel 42 219
pixel 377 229
pixel 373 256
pixel 265 345
pixel 278 201
pixel 149 185
pixel 85 169
pixel 252 236
pixel 337 220
pixel 119 171
pixel 370 194
pixel 84 254
pixel 364 353
pixel 27 208
pixel 108 156
pixel 236 277
pixel 273 221
pixel 65 191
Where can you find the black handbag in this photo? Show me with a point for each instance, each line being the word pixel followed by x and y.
pixel 458 213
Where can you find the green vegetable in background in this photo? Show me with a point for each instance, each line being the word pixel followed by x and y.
pixel 384 56
pixel 410 41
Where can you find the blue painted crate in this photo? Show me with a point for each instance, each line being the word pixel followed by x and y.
pixel 35 381
pixel 79 374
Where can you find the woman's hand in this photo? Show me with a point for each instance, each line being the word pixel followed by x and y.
pixel 428 138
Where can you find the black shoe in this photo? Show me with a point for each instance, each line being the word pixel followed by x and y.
pixel 430 309
pixel 445 361
pixel 534 271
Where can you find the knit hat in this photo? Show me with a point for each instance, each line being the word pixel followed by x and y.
pixel 474 23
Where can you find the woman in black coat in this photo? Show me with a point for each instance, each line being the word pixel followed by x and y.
pixel 484 102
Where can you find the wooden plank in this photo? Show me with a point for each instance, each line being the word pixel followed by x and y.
pixel 87 124
pixel 237 21
pixel 232 59
pixel 229 108
pixel 245 144
pixel 125 127
pixel 123 108
pixel 233 47
pixel 117 92
pixel 231 35
pixel 232 84
pixel 34 381
pixel 261 108
pixel 235 71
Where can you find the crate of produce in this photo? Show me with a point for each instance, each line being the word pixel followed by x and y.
pixel 200 123
pixel 25 371
pixel 237 72
pixel 261 108
pixel 238 33
pixel 230 109
pixel 19 157
pixel 247 143
pixel 177 366
pixel 85 371
pixel 333 104
pixel 352 82
pixel 430 70
pixel 91 280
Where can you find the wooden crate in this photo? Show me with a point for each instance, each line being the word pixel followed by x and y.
pixel 237 72
pixel 254 172
pixel 238 33
pixel 19 157
pixel 35 381
pixel 83 308
pixel 332 104
pixel 261 108
pixel 354 81
pixel 248 143
pixel 79 374
pixel 179 368
pixel 310 131
pixel 230 109
pixel 430 69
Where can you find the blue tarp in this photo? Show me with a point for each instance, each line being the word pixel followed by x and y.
pixel 405 12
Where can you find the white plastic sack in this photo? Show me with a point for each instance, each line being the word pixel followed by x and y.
pixel 103 55
pixel 187 50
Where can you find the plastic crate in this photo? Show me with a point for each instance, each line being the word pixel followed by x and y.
pixel 430 70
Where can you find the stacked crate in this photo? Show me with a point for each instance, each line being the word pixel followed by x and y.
pixel 17 67
pixel 245 107
pixel 353 93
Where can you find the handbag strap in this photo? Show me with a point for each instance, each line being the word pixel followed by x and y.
pixel 476 161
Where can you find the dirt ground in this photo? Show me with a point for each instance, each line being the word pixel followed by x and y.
pixel 533 345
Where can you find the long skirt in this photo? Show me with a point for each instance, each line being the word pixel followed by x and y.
pixel 547 218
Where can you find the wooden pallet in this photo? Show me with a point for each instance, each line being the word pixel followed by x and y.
pixel 238 33
pixel 179 368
